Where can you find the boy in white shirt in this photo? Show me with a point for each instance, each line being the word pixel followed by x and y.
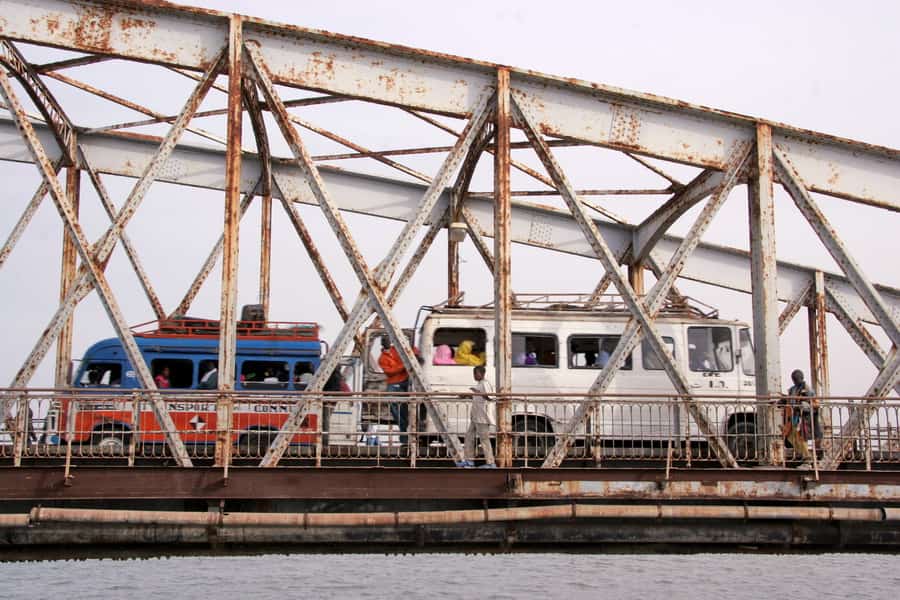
pixel 480 420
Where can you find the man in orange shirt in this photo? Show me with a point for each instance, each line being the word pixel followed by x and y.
pixel 397 381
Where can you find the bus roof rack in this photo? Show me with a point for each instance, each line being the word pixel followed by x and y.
pixel 209 328
pixel 605 304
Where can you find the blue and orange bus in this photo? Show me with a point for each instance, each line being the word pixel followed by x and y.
pixel 273 359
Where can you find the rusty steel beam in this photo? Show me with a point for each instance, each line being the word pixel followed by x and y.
pixel 69 63
pixel 840 308
pixel 763 276
pixel 210 262
pixel 45 101
pixel 651 229
pixel 316 257
pixel 797 189
pixel 104 247
pixel 72 153
pixel 818 338
pixel 455 208
pixel 639 123
pixel 231 227
pixel 251 101
pixel 390 483
pixel 642 312
pixel 502 270
pixel 371 285
pixel 535 225
pixel 66 279
pixel 793 307
pixel 94 275
pixel 95 91
pixel 22 224
pixel 130 250
pixel 675 183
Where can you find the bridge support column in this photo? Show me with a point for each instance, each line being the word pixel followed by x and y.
pixel 502 268
pixel 818 339
pixel 763 276
pixel 66 279
pixel 228 317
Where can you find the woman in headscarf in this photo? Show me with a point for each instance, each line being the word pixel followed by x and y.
pixel 465 355
pixel 443 355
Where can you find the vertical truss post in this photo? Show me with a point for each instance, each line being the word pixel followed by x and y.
pixel 228 316
pixel 763 277
pixel 456 198
pixel 636 277
pixel 502 268
pixel 265 252
pixel 66 279
pixel 818 338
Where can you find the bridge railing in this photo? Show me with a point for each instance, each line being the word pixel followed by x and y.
pixel 80 425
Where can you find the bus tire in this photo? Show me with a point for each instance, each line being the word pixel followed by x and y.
pixel 742 441
pixel 255 443
pixel 110 440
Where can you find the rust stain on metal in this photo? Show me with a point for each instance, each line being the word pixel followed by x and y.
pixel 94 28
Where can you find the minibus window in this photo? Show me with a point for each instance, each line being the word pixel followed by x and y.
pixel 181 371
pixel 710 349
pixel 458 346
pixel 748 363
pixel 264 374
pixel 594 351
pixel 534 350
pixel 649 358
pixel 102 374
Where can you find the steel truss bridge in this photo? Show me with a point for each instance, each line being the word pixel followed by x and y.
pixel 266 71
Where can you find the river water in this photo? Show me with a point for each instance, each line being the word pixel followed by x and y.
pixel 512 576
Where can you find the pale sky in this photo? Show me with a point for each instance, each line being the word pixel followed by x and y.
pixel 826 66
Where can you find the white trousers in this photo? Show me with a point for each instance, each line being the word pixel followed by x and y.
pixel 482 431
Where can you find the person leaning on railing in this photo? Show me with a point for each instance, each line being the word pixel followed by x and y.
pixel 801 415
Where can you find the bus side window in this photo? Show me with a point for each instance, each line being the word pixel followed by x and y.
pixel 448 341
pixel 102 374
pixel 710 349
pixel 264 374
pixel 303 374
pixel 534 350
pixel 650 360
pixel 594 351
pixel 181 371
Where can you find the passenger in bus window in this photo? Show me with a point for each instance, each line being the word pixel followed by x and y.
pixel 302 375
pixel 162 379
pixel 605 353
pixel 590 359
pixel 443 355
pixel 466 355
pixel 210 379
pixel 724 359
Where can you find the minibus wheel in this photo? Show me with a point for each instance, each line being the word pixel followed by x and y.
pixel 532 432
pixel 742 441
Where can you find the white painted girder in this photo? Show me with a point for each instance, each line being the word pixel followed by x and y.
pixel 385 73
pixel 389 198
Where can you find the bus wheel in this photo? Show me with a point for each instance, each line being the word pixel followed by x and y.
pixel 110 442
pixel 255 443
pixel 742 441
pixel 531 437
